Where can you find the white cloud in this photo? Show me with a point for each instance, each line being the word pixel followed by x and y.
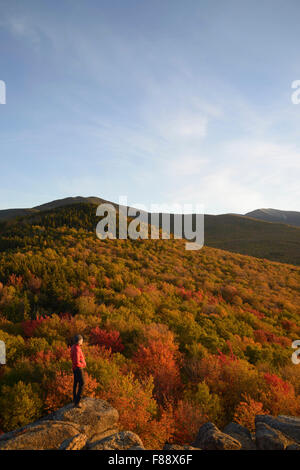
pixel 251 174
pixel 162 117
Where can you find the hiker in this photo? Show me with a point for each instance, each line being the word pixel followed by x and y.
pixel 79 364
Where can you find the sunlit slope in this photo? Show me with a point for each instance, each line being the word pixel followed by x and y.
pixel 238 234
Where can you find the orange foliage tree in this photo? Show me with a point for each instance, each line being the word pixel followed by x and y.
pixel 246 411
pixel 279 396
pixel 160 358
pixel 59 391
pixel 187 420
pixel 138 409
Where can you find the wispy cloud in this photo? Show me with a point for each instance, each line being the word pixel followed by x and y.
pixel 114 106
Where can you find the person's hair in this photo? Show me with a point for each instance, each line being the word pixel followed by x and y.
pixel 77 338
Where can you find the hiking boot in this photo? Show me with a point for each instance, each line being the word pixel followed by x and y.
pixel 78 405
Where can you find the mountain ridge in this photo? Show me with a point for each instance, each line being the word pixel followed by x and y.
pixel 264 214
pixel 236 233
pixel 276 215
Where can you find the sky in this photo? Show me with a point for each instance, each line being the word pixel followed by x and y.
pixel 165 102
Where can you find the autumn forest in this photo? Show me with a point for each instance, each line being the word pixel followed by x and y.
pixel 172 338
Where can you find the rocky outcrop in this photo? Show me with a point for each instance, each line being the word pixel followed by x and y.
pixel 288 425
pixel 179 447
pixel 268 438
pixel 211 438
pixel 241 434
pixel 271 433
pixel 95 427
pixel 42 435
pixel 77 442
pixel 95 418
pixel 125 440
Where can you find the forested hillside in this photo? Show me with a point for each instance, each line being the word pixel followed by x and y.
pixel 173 338
pixel 271 240
pixel 236 233
pixel 275 215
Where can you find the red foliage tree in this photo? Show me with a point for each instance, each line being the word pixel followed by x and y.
pixel 59 390
pixel 161 359
pixel 279 396
pixel 49 355
pixel 14 280
pixel 108 339
pixel 29 326
pixel 187 420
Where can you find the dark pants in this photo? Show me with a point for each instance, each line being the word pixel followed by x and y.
pixel 78 385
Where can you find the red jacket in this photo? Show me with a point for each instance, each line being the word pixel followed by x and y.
pixel 77 357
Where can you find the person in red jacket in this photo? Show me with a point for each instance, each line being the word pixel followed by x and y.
pixel 78 364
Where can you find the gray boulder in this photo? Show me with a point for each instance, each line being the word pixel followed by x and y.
pixel 241 434
pixel 288 425
pixel 268 438
pixel 98 437
pixel 77 442
pixel 211 438
pixel 124 440
pixel 68 428
pixel 179 447
pixel 43 435
pixel 96 417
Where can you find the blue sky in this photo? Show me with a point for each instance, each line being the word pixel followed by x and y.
pixel 162 101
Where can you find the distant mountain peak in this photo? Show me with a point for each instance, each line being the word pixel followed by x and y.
pixel 68 201
pixel 276 215
pixel 8 214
